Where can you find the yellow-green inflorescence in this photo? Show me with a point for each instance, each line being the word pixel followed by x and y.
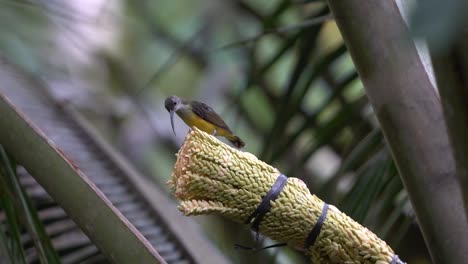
pixel 211 177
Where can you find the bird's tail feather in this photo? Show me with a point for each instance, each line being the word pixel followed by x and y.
pixel 237 142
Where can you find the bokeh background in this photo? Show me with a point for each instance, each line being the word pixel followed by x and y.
pixel 277 72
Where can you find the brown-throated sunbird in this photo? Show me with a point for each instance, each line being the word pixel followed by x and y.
pixel 202 116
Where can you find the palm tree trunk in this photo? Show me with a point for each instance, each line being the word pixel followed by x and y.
pixel 451 70
pixel 411 118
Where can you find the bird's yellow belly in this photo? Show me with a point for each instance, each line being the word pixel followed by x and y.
pixel 193 120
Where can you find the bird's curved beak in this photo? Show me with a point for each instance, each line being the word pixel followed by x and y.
pixel 171 113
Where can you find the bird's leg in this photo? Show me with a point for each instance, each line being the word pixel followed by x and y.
pixel 214 132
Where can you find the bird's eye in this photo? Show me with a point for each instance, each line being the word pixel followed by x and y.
pixel 174 103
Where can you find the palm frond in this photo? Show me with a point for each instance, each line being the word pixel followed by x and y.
pixel 66 155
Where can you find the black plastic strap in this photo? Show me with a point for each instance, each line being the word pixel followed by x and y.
pixel 238 246
pixel 317 228
pixel 265 205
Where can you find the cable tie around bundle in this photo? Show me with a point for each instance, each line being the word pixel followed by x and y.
pixel 265 205
pixel 317 228
pixel 239 246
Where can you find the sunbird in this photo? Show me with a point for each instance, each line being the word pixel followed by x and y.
pixel 202 116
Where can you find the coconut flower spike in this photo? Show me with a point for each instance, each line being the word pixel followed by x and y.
pixel 210 177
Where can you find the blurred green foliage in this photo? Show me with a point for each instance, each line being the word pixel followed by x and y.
pixel 284 84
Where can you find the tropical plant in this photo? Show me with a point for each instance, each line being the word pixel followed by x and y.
pixel 281 75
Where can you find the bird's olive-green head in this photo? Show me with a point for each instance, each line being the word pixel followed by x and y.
pixel 172 104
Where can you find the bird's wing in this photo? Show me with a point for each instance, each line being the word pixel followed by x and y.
pixel 208 114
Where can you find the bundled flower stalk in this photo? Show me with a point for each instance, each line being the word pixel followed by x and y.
pixel 210 177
